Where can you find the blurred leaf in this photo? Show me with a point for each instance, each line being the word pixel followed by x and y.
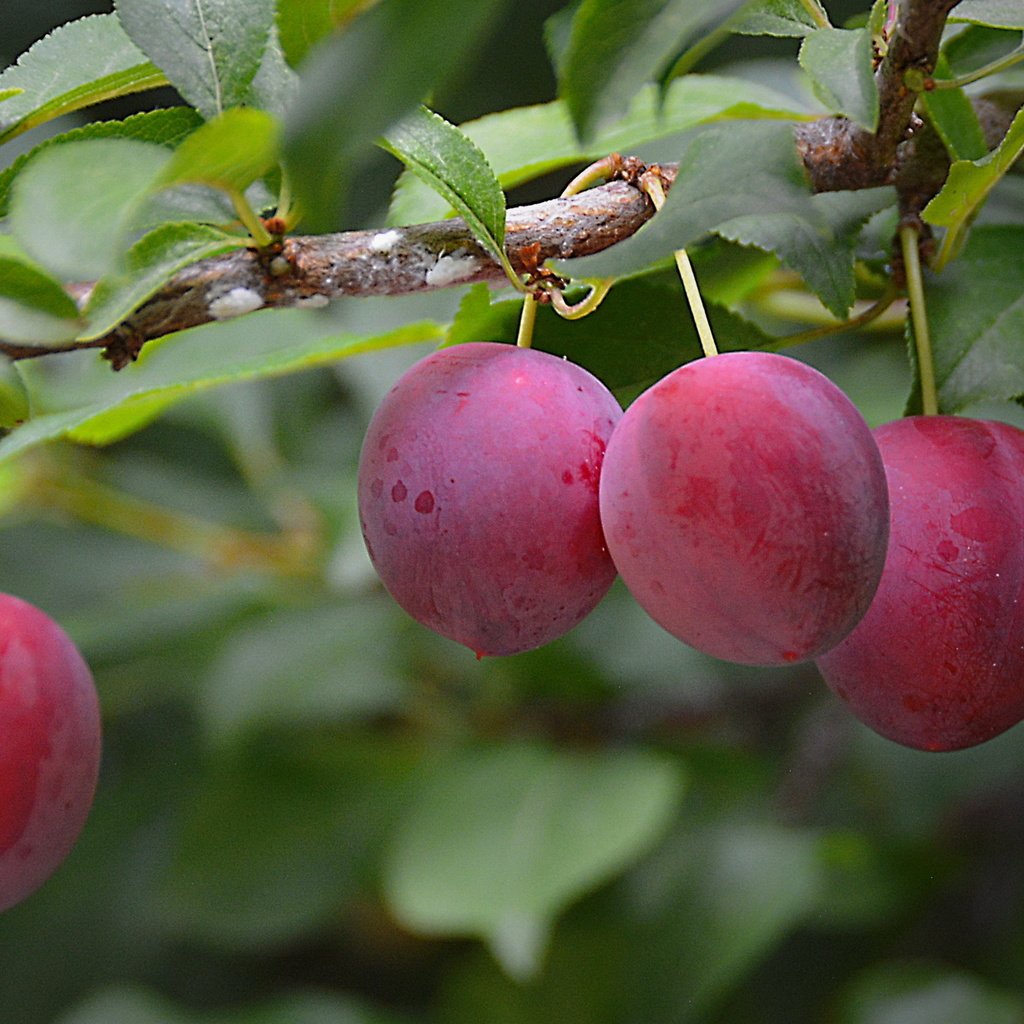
pixel 303 23
pixel 126 1006
pixel 76 65
pixel 822 250
pixel 501 840
pixel 526 142
pixel 342 108
pixel 774 18
pixel 275 84
pixel 72 205
pixel 452 165
pixel 618 46
pixel 34 308
pixel 952 115
pixel 210 50
pixel 997 13
pixel 915 993
pixel 839 62
pixel 976 310
pixel 229 152
pixel 149 264
pixel 166 127
pixel 967 187
pixel 262 344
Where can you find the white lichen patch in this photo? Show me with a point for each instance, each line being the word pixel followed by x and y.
pixel 385 241
pixel 313 302
pixel 235 303
pixel 449 269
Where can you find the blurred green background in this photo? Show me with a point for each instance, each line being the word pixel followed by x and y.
pixel 312 810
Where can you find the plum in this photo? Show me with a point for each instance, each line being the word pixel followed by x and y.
pixel 49 747
pixel 744 503
pixel 937 663
pixel 478 494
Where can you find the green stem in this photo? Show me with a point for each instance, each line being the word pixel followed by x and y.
pixel 700 49
pixel 250 221
pixel 1007 61
pixel 919 319
pixel 585 306
pixel 600 170
pixel 817 13
pixel 877 309
pixel 528 317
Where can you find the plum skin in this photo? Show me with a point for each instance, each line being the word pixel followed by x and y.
pixel 49 747
pixel 937 663
pixel 744 503
pixel 478 502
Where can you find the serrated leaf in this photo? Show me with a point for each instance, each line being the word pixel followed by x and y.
pixel 968 185
pixel 149 264
pixel 34 308
pixel 952 115
pixel 76 65
pixel 839 62
pixel 210 50
pixel 775 18
pixel 821 249
pixel 229 152
pixel 618 46
pixel 88 397
pixel 994 13
pixel 165 127
pixel 454 167
pixel 726 170
pixel 420 45
pixel 303 23
pixel 72 205
pixel 526 142
pixel 976 314
pixel 501 840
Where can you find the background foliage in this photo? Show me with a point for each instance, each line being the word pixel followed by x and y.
pixel 313 810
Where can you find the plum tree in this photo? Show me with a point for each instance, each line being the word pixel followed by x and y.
pixel 49 747
pixel 744 503
pixel 478 494
pixel 937 662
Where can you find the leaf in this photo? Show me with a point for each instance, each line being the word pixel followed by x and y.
pixel 34 308
pixel 342 109
pixel 210 50
pixel 501 840
pixel 725 171
pixel 451 164
pixel 820 249
pixel 303 23
pixel 149 264
pixel 165 127
pixel 952 115
pixel 995 13
pixel 526 142
pixel 87 397
pixel 76 65
pixel 618 46
pixel 276 85
pixel 968 185
pixel 72 205
pixel 839 63
pixel 774 18
pixel 976 312
pixel 229 152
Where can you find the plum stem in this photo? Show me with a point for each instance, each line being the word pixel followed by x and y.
pixel 527 318
pixel 919 318
pixel 651 184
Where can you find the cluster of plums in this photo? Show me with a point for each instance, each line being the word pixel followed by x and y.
pixel 745 503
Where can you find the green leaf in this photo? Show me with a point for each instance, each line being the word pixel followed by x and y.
pixel 774 18
pixel 72 205
pixel 952 115
pixel 87 400
pixel 726 170
pixel 166 127
pixel 420 45
pixel 968 185
pixel 210 50
pixel 34 308
pixel 76 65
pixel 229 152
pixel 454 167
pixel 618 46
pixel 501 840
pixel 995 13
pixel 303 23
pixel 821 249
pixel 526 142
pixel 149 264
pixel 839 63
pixel 976 312
pixel 9 94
